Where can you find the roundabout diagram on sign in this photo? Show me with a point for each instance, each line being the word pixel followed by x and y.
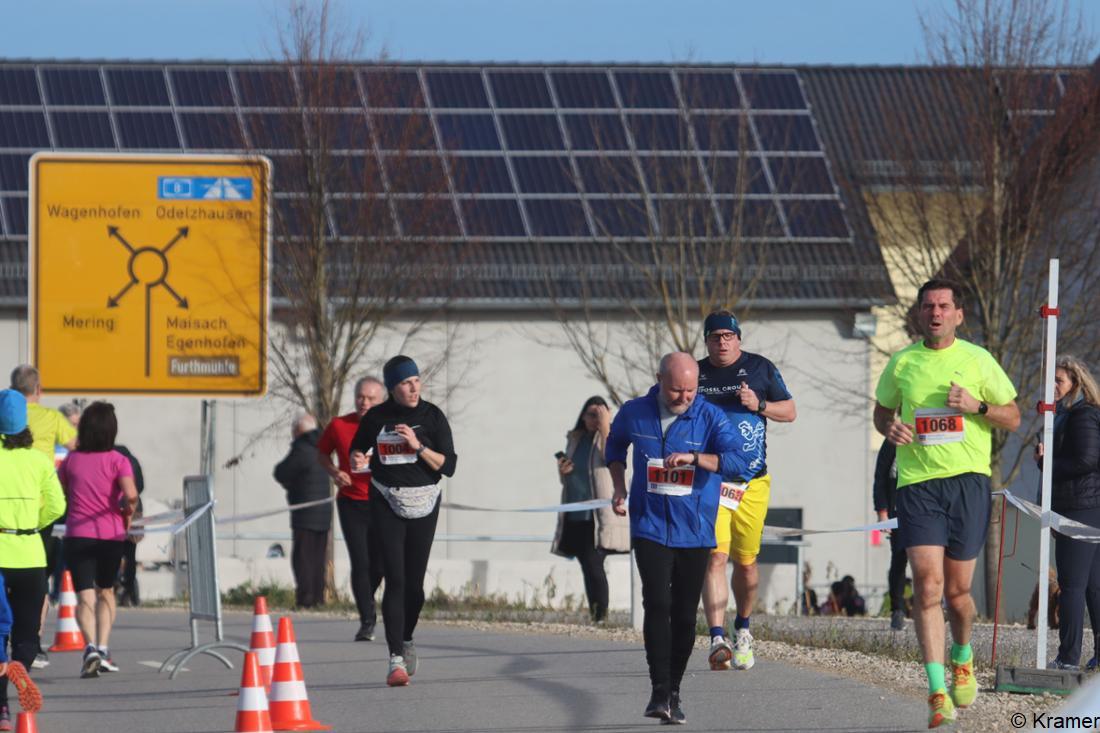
pixel 147 266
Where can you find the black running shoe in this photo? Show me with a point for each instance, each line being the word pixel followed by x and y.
pixel 365 632
pixel 675 711
pixel 658 706
pixel 92 660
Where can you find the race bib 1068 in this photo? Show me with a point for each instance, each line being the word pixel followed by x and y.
pixel 668 481
pixel 394 450
pixel 939 425
pixel 731 494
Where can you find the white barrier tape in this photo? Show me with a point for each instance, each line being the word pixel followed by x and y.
pixel 576 506
pixel 272 512
pixel 770 531
pixel 163 518
pixel 1062 525
pixel 59 529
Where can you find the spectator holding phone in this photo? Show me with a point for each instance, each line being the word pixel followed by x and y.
pixel 589 535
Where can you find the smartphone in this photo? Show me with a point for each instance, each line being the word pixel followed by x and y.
pixel 559 455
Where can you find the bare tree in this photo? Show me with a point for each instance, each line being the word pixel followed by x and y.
pixel 363 218
pixel 983 178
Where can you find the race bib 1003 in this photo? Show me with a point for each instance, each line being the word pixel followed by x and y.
pixel 668 481
pixel 731 493
pixel 939 425
pixel 394 450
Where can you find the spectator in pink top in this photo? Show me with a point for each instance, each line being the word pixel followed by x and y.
pixel 102 496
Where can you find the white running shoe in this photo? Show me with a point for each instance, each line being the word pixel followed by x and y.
pixel 720 653
pixel 742 650
pixel 398 676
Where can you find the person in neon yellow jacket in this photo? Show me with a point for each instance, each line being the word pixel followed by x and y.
pixel 30 498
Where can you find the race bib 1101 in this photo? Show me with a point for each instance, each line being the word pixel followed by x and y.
pixel 668 481
pixel 731 494
pixel 939 425
pixel 394 450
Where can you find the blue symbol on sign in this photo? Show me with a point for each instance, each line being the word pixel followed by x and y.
pixel 204 189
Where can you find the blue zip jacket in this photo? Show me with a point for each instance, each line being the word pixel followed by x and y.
pixel 5 620
pixel 676 521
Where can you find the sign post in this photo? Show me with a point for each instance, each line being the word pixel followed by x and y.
pixel 149 273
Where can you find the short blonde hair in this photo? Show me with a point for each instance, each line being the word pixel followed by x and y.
pixel 1083 381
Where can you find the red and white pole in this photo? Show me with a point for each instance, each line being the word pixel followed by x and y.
pixel 1050 314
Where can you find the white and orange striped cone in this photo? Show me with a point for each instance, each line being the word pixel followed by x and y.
pixel 263 639
pixel 68 637
pixel 252 713
pixel 289 703
pixel 26 723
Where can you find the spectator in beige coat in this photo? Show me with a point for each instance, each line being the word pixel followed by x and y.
pixel 592 534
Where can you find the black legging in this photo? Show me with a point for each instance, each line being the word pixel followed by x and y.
pixel 406 545
pixel 895 577
pixel 580 538
pixel 26 592
pixel 1079 580
pixel 672 583
pixel 363 551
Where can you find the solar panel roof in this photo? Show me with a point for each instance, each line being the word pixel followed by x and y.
pixel 562 159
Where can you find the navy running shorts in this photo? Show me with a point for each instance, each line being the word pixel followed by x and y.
pixel 950 512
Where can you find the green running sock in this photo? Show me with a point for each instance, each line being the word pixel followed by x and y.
pixel 961 654
pixel 936 683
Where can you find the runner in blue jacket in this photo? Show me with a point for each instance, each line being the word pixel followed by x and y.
pixel 683 448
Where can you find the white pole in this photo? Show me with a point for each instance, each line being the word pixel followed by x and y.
pixel 1048 451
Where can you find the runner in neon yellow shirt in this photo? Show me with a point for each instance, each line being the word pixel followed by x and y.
pixel 950 394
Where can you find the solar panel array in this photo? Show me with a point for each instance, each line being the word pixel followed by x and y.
pixel 572 155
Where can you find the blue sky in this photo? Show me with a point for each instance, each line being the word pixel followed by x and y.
pixel 744 31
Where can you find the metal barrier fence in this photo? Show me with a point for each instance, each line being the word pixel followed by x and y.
pixel 204 596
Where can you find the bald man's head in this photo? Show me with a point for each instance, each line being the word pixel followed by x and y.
pixel 303 424
pixel 678 379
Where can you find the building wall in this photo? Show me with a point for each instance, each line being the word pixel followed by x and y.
pixel 511 390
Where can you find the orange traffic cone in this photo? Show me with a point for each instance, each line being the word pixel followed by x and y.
pixel 252 714
pixel 68 637
pixel 263 639
pixel 25 723
pixel 289 703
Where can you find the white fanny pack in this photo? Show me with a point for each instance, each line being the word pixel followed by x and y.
pixel 409 502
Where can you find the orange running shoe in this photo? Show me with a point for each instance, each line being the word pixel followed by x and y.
pixel 30 699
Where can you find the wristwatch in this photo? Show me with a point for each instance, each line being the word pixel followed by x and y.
pixel 761 407
pixel 695 458
pixel 983 408
pixel 420 449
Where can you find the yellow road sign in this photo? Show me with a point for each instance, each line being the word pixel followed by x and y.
pixel 149 273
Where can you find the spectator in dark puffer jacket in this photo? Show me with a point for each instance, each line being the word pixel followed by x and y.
pixel 305 481
pixel 1076 495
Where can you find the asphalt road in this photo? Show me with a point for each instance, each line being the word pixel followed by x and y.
pixel 469 680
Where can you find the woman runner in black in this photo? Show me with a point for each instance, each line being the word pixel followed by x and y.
pixel 413 450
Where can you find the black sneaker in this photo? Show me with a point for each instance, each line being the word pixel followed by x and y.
pixel 675 712
pixel 658 706
pixel 365 632
pixel 897 620
pixel 92 660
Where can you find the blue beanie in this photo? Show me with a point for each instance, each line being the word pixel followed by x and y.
pixel 13 412
pixel 397 370
pixel 721 321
